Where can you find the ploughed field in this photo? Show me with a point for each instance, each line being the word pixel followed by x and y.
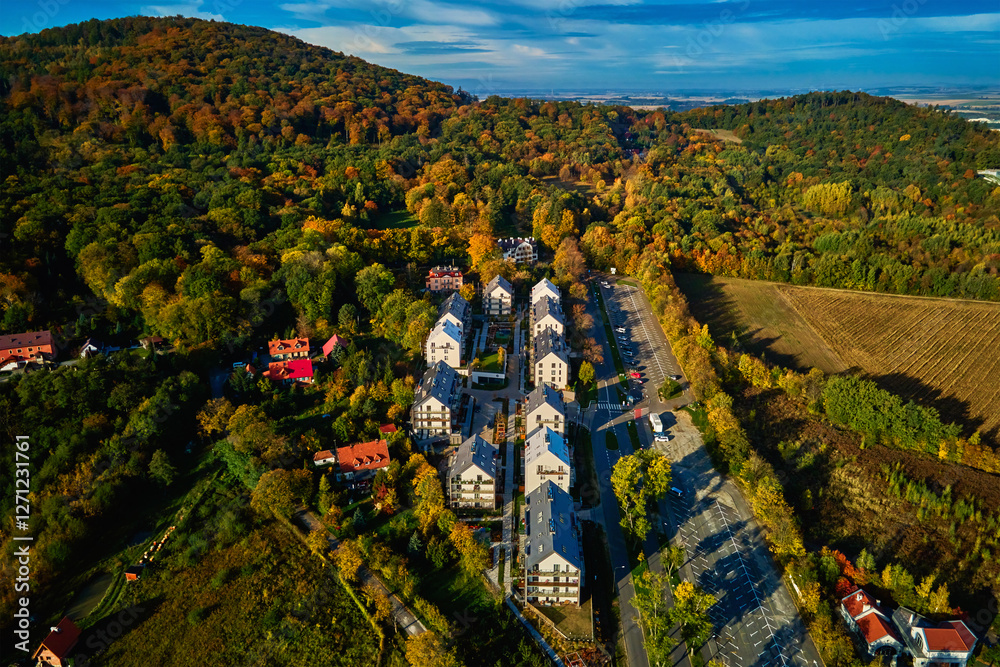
pixel 943 353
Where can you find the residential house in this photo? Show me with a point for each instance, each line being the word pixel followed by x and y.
pixel 134 572
pixel 290 372
pixel 444 278
pixel 546 457
pixel 947 643
pixel 324 458
pixel 553 562
pixel 457 310
pixel 293 348
pixel 17 350
pixel 550 359
pixel 151 342
pixel 498 297
pixel 435 402
pixel 546 313
pixel 359 462
pixel 335 341
pixel 545 288
pixel 387 429
pixel 872 625
pixel 444 344
pixel 57 646
pixel 472 473
pixel 90 348
pixel 518 250
pixel 544 407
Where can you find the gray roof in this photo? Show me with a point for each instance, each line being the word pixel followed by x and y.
pixel 549 341
pixel 499 281
pixel 450 329
pixel 456 305
pixel 438 381
pixel 542 286
pixel 511 242
pixel 544 439
pixel 544 394
pixel 475 451
pixel 550 526
pixel 547 306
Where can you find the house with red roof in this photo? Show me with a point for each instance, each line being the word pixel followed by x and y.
pixel 946 643
pixel 325 457
pixel 444 278
pixel 871 625
pixel 57 645
pixel 335 341
pixel 292 348
pixel 387 429
pixel 359 462
pixel 288 372
pixel 17 350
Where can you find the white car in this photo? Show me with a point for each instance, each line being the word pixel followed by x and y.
pixel 620 329
pixel 663 437
pixel 675 377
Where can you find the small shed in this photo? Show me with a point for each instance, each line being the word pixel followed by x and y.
pixel 133 572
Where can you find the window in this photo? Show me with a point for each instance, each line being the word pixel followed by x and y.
pixel 555 568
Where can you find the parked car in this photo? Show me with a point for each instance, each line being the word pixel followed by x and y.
pixel 620 329
pixel 631 362
pixel 661 437
pixel 675 377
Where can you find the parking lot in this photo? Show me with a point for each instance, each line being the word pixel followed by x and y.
pixel 628 309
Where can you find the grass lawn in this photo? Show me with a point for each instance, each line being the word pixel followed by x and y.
pixel 394 220
pixel 453 590
pixel 670 389
pixel 586 476
pixel 630 283
pixel 491 362
pixel 575 623
pixel 610 440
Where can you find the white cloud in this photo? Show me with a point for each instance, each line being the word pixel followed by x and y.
pixel 190 9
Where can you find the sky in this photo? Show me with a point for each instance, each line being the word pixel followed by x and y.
pixel 614 45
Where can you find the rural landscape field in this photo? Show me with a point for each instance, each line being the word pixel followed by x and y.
pixel 934 351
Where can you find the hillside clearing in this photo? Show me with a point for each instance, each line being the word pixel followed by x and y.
pixel 939 352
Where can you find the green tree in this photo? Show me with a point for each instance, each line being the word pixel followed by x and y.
pixel 654 615
pixel 374 282
pixel 636 480
pixel 161 469
pixel 691 605
pixel 281 491
pixel 346 318
pixel 586 373
pixel 323 501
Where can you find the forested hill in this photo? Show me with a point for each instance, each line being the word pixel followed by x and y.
pixel 180 80
pixel 166 174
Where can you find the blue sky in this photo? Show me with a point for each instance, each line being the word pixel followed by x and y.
pixel 670 45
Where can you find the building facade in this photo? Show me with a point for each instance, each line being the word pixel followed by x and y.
pixel 17 350
pixel 546 458
pixel 435 403
pixel 553 561
pixel 545 288
pixel 544 407
pixel 444 344
pixel 546 313
pixel 444 278
pixel 498 297
pixel 293 348
pixel 549 360
pixel 518 250
pixel 472 474
pixel 872 625
pixel 457 310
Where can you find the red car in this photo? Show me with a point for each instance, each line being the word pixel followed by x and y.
pixel 634 375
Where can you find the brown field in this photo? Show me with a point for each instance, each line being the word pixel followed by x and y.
pixel 943 353
pixel 725 135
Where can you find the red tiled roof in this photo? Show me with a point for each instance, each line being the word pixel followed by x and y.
pixel 323 455
pixel 946 639
pixel 855 602
pixel 285 346
pixel 439 274
pixel 293 369
pixel 31 338
pixel 334 341
pixel 874 627
pixel 963 632
pixel 364 456
pixel 387 428
pixel 60 642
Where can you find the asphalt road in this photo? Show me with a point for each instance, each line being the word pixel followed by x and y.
pixel 756 623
